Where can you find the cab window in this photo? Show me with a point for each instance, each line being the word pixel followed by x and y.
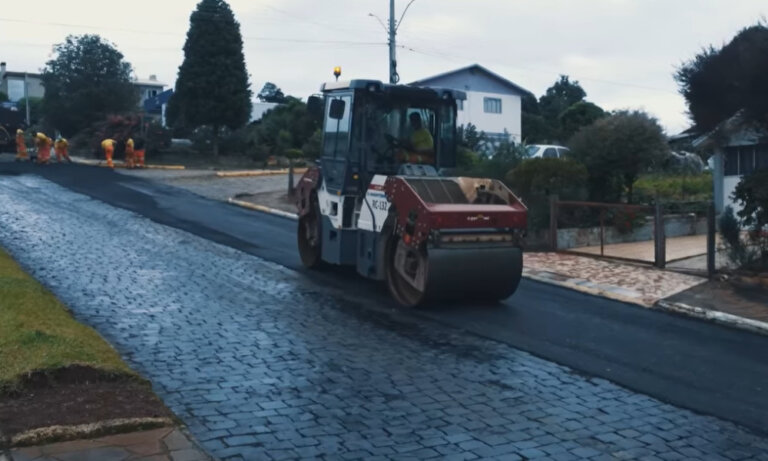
pixel 337 130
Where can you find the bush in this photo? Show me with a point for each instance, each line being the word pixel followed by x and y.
pixel 678 188
pixel 752 193
pixel 536 179
pixel 506 157
pixel 617 150
pixel 466 159
pixel 730 229
pixel 157 137
pixel 117 127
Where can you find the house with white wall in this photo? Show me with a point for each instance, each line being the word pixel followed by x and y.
pixel 493 104
pixel 15 84
pixel 259 108
pixel 148 89
pixel 738 148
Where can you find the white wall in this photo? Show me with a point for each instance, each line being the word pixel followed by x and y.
pixel 729 185
pixel 509 118
pixel 260 108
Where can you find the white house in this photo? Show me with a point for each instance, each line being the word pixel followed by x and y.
pixel 148 88
pixel 13 84
pixel 738 148
pixel 259 108
pixel 493 105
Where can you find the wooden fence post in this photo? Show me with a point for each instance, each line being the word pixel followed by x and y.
pixel 291 187
pixel 553 211
pixel 659 238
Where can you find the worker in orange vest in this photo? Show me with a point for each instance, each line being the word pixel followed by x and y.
pixel 139 153
pixel 60 147
pixel 21 146
pixel 108 146
pixel 44 144
pixel 129 153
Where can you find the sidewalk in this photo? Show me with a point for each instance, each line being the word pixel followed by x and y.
pixel 166 444
pixel 636 284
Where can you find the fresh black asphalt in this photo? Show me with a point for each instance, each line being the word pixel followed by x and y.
pixel 705 367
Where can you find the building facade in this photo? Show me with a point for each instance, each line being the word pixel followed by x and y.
pixel 148 88
pixel 737 149
pixel 493 104
pixel 13 83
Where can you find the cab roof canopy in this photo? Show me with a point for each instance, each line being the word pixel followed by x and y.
pixel 395 90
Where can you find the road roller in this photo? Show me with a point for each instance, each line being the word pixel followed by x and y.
pixel 383 198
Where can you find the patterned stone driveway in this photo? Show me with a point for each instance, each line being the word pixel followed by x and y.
pixel 261 364
pixel 627 282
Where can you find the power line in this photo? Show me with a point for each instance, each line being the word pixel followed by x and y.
pixel 334 27
pixel 173 34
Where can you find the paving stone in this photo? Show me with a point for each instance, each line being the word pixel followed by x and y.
pixel 97 454
pixel 250 353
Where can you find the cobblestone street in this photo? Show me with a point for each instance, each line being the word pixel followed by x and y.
pixel 261 363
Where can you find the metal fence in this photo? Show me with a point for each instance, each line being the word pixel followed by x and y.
pixel 636 233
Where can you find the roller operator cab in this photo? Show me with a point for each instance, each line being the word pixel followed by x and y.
pixel 379 199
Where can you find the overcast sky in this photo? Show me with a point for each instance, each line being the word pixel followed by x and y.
pixel 623 52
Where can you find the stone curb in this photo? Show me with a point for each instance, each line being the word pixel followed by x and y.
pixel 55 434
pixel 723 318
pixel 263 209
pixel 118 164
pixel 586 289
pixel 247 173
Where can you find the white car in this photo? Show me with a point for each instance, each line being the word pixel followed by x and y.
pixel 547 151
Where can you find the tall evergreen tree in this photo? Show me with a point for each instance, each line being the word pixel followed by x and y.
pixel 212 88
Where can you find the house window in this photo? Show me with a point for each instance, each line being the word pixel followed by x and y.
pixel 15 89
pixel 746 160
pixel 460 104
pixel 731 161
pixel 492 105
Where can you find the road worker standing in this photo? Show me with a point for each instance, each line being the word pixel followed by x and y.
pixel 139 153
pixel 60 147
pixel 129 153
pixel 44 144
pixel 108 146
pixel 21 146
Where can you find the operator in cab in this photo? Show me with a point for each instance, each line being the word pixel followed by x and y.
pixel 420 148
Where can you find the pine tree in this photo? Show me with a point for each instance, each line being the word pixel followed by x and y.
pixel 212 88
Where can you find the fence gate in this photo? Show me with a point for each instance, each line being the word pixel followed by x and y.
pixel 679 236
pixel 608 230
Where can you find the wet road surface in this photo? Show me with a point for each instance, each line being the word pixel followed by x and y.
pixel 716 369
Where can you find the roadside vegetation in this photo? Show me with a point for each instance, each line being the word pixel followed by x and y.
pixel 37 332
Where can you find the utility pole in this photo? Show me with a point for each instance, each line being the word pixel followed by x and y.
pixel 393 76
pixel 26 97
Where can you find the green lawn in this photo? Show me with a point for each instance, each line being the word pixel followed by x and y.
pixel 38 333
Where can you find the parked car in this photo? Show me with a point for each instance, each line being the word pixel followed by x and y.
pixel 547 151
